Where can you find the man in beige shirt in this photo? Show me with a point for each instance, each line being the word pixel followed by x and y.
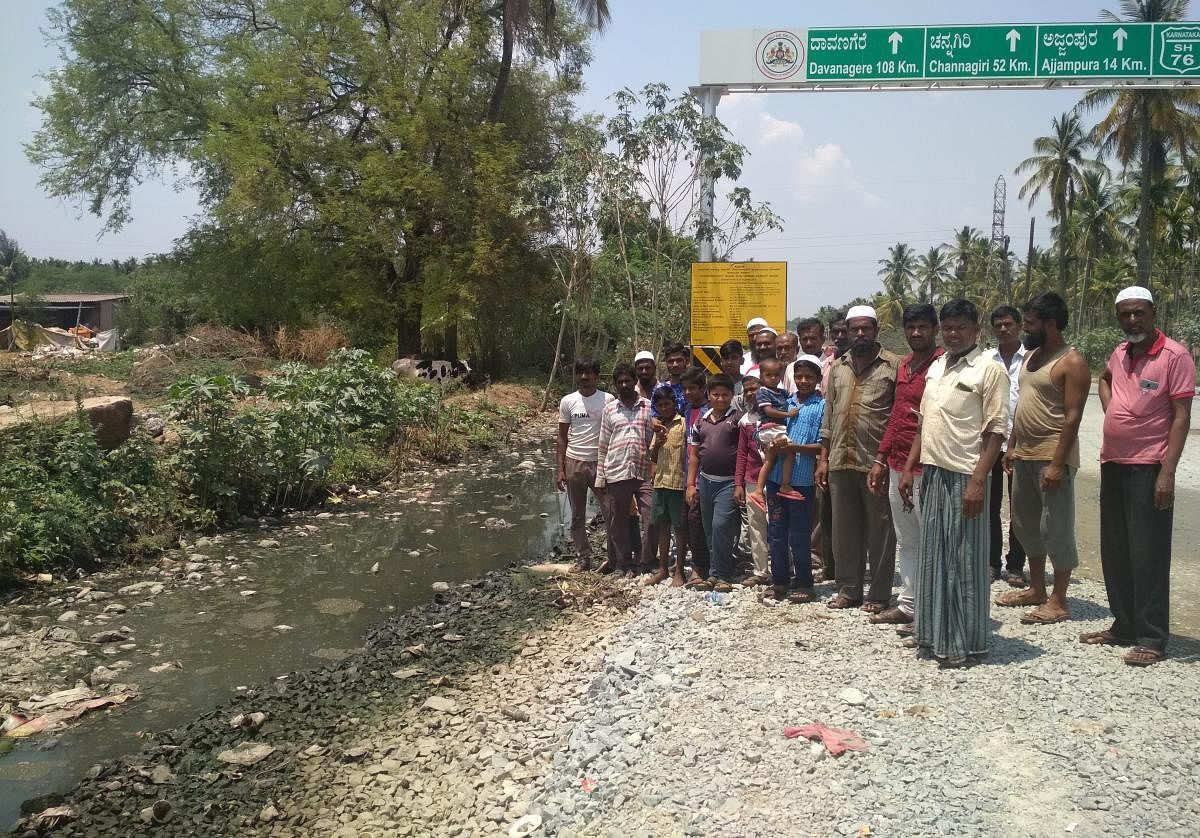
pixel 964 414
pixel 858 399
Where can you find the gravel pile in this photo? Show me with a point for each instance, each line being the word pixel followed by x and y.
pixel 515 706
pixel 682 731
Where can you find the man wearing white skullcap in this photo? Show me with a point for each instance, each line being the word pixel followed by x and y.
pixel 752 328
pixel 646 370
pixel 1146 391
pixel 858 401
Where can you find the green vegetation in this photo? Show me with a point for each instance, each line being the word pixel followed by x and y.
pixel 412 174
pixel 63 500
pixel 309 433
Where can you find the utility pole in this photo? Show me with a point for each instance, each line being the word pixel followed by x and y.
pixel 709 97
pixel 1029 258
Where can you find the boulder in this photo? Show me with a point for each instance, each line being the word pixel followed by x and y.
pixel 111 416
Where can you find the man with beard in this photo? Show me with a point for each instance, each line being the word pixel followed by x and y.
pixel 1146 391
pixel 964 413
pixel 859 398
pixel 787 350
pixel 920 330
pixel 1043 457
pixel 646 370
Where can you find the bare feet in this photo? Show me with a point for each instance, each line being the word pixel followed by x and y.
pixel 1020 599
pixel 659 576
pixel 677 580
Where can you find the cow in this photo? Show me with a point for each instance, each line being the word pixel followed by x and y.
pixel 431 369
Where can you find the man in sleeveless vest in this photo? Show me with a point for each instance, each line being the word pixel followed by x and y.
pixel 1043 457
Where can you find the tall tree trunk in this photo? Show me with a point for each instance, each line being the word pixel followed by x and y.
pixel 1145 208
pixel 1087 276
pixel 562 330
pixel 506 58
pixel 408 314
pixel 1064 238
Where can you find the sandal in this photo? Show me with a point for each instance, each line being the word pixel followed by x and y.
pixel 1144 656
pixel 892 616
pixel 802 596
pixel 778 593
pixel 698 584
pixel 841 601
pixel 872 606
pixel 722 587
pixel 790 494
pixel 1040 617
pixel 754 580
pixel 1103 638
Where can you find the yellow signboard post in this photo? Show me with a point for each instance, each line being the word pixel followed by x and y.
pixel 725 295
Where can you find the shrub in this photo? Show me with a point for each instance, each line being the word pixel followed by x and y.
pixel 64 500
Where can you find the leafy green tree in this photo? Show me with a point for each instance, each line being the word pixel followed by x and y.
pixel 355 130
pixel 665 148
pixel 1057 168
pixel 1145 126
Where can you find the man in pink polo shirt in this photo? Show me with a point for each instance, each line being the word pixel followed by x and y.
pixel 1146 391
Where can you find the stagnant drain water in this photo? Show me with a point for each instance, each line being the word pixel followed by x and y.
pixel 319 583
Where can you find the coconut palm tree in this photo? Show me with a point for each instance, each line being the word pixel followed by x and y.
pixel 517 21
pixel 933 271
pixel 1057 169
pixel 897 272
pixel 1096 230
pixel 962 251
pixel 1144 126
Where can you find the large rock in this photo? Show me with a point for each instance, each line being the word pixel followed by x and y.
pixel 111 416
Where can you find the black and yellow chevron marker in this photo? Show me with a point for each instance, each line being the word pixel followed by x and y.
pixel 708 358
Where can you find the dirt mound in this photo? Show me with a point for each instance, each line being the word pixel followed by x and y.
pixel 515 397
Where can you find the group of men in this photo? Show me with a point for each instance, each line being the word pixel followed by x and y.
pixel 835 459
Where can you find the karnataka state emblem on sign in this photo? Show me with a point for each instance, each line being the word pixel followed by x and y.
pixel 780 55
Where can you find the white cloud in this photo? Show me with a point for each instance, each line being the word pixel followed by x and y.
pixel 780 160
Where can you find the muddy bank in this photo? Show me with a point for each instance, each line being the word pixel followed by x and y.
pixel 230 611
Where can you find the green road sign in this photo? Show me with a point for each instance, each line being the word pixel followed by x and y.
pixel 1101 50
pixel 866 53
pixel 1178 50
pixel 1022 54
pixel 980 52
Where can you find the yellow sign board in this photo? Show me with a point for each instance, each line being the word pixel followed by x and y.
pixel 726 295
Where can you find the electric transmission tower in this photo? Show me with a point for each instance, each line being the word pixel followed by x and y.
pixel 997 262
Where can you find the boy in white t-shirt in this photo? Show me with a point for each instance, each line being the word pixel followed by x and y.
pixel 579 416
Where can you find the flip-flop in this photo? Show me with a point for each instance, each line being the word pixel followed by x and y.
pixel 801 597
pixel 759 502
pixel 699 585
pixel 1143 656
pixel 1038 618
pixel 790 494
pixel 1103 638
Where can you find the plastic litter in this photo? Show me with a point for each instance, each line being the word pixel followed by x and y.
pixel 837 740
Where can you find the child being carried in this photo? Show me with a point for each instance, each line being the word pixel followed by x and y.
pixel 775 407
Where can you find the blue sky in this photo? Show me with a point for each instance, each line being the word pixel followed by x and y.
pixel 850 173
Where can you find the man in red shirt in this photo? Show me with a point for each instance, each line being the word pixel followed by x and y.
pixel 920 330
pixel 1146 391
